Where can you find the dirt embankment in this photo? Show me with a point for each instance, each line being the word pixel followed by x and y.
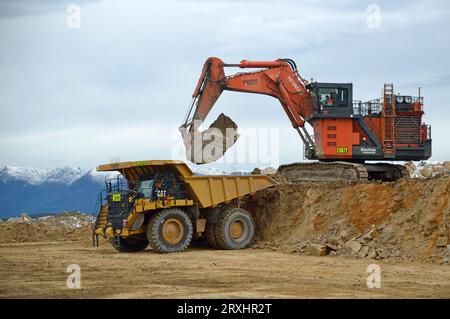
pixel 406 220
pixel 64 227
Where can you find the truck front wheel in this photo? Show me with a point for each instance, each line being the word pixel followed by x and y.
pixel 235 229
pixel 169 231
pixel 130 244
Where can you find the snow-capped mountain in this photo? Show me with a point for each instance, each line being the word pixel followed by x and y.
pixel 37 176
pixel 102 176
pixel 40 191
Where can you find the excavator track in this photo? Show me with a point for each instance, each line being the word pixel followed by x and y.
pixel 323 172
pixel 403 171
pixel 386 172
pixel 341 171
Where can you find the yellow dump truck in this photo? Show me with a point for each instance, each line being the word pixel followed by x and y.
pixel 164 205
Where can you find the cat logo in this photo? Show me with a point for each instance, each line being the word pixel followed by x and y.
pixel 116 197
pixel 342 150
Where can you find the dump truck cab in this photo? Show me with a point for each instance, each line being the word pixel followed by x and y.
pixel 162 203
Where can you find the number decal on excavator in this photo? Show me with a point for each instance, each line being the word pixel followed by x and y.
pixel 116 197
pixel 342 150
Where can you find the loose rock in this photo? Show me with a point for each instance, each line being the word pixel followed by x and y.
pixel 317 250
pixel 353 245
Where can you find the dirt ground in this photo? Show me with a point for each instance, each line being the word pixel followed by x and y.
pixel 38 270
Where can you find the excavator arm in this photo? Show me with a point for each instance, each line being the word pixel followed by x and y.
pixel 279 79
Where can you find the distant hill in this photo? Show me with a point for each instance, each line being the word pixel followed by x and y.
pixel 38 191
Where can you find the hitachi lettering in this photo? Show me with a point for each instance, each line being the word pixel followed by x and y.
pixel 295 85
pixel 250 82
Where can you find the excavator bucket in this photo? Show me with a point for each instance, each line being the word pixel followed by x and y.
pixel 211 144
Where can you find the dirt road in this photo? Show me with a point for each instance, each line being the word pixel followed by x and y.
pixel 38 270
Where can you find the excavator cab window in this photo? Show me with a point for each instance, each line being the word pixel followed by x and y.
pixel 333 97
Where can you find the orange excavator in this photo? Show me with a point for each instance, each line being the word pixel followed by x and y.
pixel 346 133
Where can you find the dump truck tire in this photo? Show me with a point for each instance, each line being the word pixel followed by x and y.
pixel 131 244
pixel 234 229
pixel 169 231
pixel 211 235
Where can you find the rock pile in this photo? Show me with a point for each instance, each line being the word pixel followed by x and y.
pixel 405 220
pixel 426 169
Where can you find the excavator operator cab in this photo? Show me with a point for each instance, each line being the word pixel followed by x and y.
pixel 333 99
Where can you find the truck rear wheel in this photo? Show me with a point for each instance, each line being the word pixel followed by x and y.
pixel 130 244
pixel 169 231
pixel 211 235
pixel 234 229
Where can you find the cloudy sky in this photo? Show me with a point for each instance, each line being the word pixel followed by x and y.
pixel 118 87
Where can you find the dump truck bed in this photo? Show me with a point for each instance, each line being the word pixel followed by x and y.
pixel 210 191
pixel 205 190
